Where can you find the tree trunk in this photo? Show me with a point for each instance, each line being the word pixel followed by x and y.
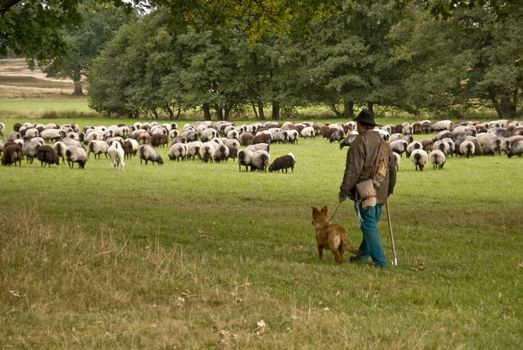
pixel 254 109
pixel 348 109
pixel 227 112
pixel 370 107
pixel 77 80
pixel 170 112
pixel 206 111
pixel 219 112
pixel 275 110
pixel 504 106
pixel 261 112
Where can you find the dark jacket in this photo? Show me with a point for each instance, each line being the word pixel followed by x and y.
pixel 361 159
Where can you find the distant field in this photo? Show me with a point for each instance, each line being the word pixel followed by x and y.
pixel 192 255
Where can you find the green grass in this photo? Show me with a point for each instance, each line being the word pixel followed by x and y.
pixel 193 255
pixel 35 107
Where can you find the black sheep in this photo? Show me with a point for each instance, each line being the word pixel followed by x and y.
pixel 46 154
pixel 12 154
pixel 283 163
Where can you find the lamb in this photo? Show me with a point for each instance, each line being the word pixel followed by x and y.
pixel 245 158
pixel 438 159
pixel 148 153
pixel 12 154
pixel 283 163
pixel 117 155
pixel 98 148
pixel 178 151
pixel 260 160
pixel 47 154
pixel 467 148
pixel 75 154
pixel 419 157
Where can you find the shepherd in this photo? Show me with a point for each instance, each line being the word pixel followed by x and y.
pixel 369 179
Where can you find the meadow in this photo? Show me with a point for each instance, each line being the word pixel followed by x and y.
pixel 195 255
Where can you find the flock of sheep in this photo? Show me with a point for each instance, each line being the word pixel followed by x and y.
pixel 250 144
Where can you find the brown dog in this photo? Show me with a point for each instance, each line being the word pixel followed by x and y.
pixel 331 236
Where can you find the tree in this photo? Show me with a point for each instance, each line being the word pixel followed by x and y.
pixel 83 42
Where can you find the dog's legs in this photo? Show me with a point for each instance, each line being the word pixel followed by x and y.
pixel 320 252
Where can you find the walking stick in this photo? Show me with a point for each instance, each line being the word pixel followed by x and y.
pixel 395 262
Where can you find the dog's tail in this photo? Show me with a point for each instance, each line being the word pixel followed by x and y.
pixel 350 248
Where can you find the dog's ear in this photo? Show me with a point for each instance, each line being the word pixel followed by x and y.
pixel 324 209
pixel 314 210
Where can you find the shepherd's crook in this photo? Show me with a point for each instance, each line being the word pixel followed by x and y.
pixel 395 262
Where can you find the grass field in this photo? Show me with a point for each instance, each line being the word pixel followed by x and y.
pixel 193 255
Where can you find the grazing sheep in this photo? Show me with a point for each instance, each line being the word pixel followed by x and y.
pixel 232 134
pixel 262 137
pixel 15 135
pixel 419 158
pixel 2 145
pixel 75 154
pixel 260 160
pixel 516 149
pixel 347 141
pixel 117 155
pixel 2 128
pixel 148 153
pixel 178 151
pixel 413 146
pixel 52 134
pixel 12 154
pixel 221 153
pixel 278 135
pixel 427 144
pixel 443 146
pixel 208 134
pixel 29 149
pixel 307 132
pixel 98 148
pixel 144 138
pixel 396 160
pixel 246 138
pixel 283 163
pixel 438 159
pixel 245 158
pixel 130 147
pixel 442 125
pixel 399 146
pixel 467 148
pixel 207 151
pixel 337 135
pixel 292 136
pixel 60 148
pixel 159 140
pixel 47 155
pixel 193 149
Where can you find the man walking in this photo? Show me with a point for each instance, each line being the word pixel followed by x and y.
pixel 360 166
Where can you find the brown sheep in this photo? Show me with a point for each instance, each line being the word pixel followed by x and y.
pixel 12 154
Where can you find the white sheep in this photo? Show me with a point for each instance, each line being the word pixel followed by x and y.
pixel 178 151
pixel 307 132
pixel 516 149
pixel 221 153
pixel 292 136
pixel 259 146
pixel 29 150
pixel 75 154
pixel 397 160
pixel 442 125
pixel 98 148
pixel 419 158
pixel 117 155
pixel 467 148
pixel 413 146
pixel 148 153
pixel 245 158
pixel 260 160
pixel 207 151
pixel 2 128
pixel 399 146
pixel 193 149
pixel 437 159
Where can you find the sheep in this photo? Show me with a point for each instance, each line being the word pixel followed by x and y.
pixel 2 145
pixel 278 135
pixel 29 149
pixel 245 158
pixel 144 138
pixel 307 132
pixel 507 143
pixel 283 163
pixel 349 139
pixel 259 146
pixel 31 132
pixel 15 135
pixel 178 151
pixel 208 134
pixel 2 128
pixel 130 147
pixel 159 140
pixel 516 149
pixel 427 144
pixel 262 137
pixel 337 135
pixel 399 147
pixel 98 148
pixel 246 138
pixel 75 154
pixel 438 159
pixel 148 153
pixel 117 155
pixel 492 146
pixel 419 158
pixel 52 134
pixel 47 154
pixel 232 134
pixel 221 153
pixel 190 135
pixel 292 136
pixel 12 154
pixel 467 148
pixel 193 149
pixel 442 125
pixel 207 151
pixel 260 160
pixel 396 160
pixel 413 146
pixel 60 148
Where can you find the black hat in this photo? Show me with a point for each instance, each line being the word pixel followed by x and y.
pixel 366 117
